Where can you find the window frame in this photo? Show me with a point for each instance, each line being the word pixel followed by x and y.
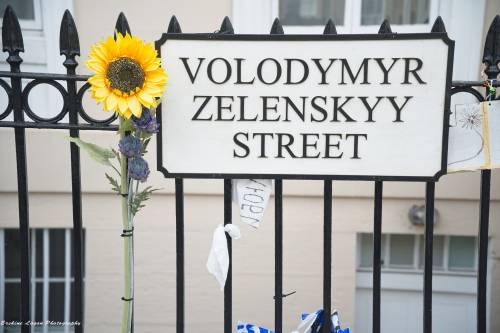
pixel 316 29
pixel 415 268
pixel 399 28
pixel 352 21
pixel 45 279
pixel 35 24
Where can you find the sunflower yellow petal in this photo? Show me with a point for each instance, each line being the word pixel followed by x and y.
pixel 148 55
pixel 98 53
pixel 127 114
pixel 110 47
pixel 157 75
pixel 145 99
pixel 97 81
pixel 111 102
pixel 97 66
pixel 152 67
pixel 122 105
pixel 134 106
pixel 153 90
pixel 102 92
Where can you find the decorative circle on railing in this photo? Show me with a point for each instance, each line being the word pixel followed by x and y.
pixel 8 108
pixel 33 115
pixel 468 90
pixel 85 115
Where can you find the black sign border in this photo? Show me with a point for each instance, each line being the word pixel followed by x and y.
pixel 349 37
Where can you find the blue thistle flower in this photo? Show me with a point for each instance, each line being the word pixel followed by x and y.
pixel 138 169
pixel 130 146
pixel 146 122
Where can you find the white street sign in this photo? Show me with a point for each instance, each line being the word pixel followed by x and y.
pixel 349 107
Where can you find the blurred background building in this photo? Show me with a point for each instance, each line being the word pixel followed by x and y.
pixel 455 252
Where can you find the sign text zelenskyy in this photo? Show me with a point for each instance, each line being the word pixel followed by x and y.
pixel 292 107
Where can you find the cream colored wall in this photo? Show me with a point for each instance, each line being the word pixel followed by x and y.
pixel 50 206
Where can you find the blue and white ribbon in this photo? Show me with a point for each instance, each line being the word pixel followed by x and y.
pixel 310 323
pixel 249 328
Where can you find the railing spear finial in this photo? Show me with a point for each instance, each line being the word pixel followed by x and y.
pixel 12 38
pixel 174 26
pixel 330 28
pixel 277 28
pixel 226 26
pixel 385 28
pixel 121 25
pixel 69 44
pixel 491 54
pixel 438 25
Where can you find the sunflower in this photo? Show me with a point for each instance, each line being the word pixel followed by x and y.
pixel 127 75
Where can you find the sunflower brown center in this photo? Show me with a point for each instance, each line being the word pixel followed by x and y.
pixel 125 75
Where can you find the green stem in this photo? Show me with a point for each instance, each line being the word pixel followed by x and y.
pixel 127 305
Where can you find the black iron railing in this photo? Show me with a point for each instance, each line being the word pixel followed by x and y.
pixel 79 119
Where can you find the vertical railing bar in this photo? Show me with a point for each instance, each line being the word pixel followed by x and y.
pixel 45 283
pixel 228 288
pixel 385 28
pixel 12 41
pixel 428 255
pixel 329 29
pixel 377 251
pixel 33 274
pixel 2 278
pixel 67 278
pixel 277 29
pixel 22 188
pixel 482 273
pixel 327 256
pixel 491 57
pixel 278 255
pixel 69 46
pixel 179 246
pixel 226 27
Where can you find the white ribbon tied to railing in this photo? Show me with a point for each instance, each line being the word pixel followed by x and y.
pixel 218 258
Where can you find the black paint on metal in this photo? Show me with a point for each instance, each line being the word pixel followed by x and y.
pixel 12 40
pixel 491 58
pixel 69 46
pixel 179 253
pixel 428 253
pixel 327 231
pixel 228 288
pixel 377 252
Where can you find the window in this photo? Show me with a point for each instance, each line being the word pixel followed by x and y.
pixel 398 12
pixel 401 250
pixel 450 253
pixel 311 12
pixel 28 12
pixel 462 253
pixel 51 281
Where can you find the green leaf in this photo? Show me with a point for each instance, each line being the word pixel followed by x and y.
pixel 145 143
pixel 139 199
pixel 117 155
pixel 97 153
pixel 115 186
